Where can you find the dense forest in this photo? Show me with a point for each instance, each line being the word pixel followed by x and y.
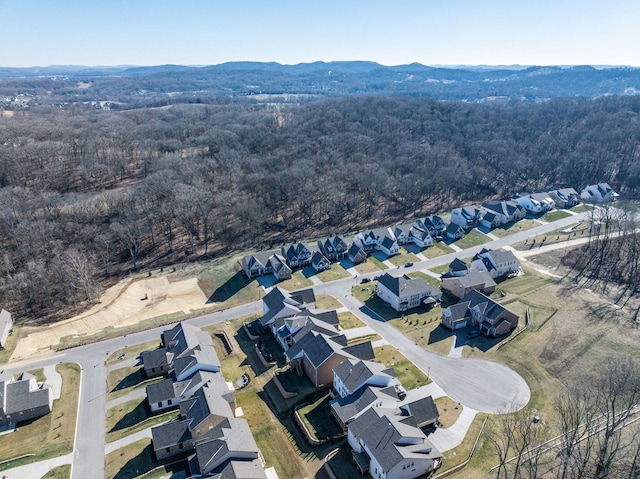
pixel 88 194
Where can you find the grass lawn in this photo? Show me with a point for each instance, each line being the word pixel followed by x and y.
pixel 10 344
pixel 121 382
pixel 363 292
pixel 224 283
pixel 133 416
pixel 554 215
pixel 512 228
pixel 440 269
pixel 136 461
pixel 60 472
pixel 581 208
pixel 379 265
pixel 425 330
pixel 38 373
pixel 403 257
pixel 297 281
pixel 449 411
pixel 482 456
pixel 438 249
pixel 131 351
pixel 48 436
pixel 407 373
pixel 426 278
pixel 335 272
pixel 348 320
pixel 317 417
pixel 472 238
pixel 325 301
pixel 370 266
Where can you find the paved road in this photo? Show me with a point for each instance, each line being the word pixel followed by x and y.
pixel 478 384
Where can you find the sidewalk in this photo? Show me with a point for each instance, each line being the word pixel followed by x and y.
pixel 446 439
pixel 37 469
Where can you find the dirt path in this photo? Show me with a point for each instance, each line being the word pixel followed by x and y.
pixel 121 305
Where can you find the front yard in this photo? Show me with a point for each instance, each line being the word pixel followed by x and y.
pixel 335 272
pixel 407 373
pixel 403 257
pixel 133 416
pixel 48 436
pixel 512 228
pixel 472 238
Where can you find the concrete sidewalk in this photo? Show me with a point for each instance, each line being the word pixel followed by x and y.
pixel 53 378
pixel 37 469
pixel 139 393
pixel 449 438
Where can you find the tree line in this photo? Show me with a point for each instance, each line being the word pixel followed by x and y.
pixel 87 195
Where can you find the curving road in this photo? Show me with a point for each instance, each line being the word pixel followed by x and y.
pixel 479 384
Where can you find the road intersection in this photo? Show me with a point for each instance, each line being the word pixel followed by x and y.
pixel 478 384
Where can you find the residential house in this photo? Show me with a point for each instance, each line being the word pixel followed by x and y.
pixel 185 349
pixel 288 331
pixel 505 211
pixel 6 326
pixel 529 203
pixel 598 193
pixel 458 268
pixel 403 292
pixel 280 303
pixel 420 237
pixel 266 262
pixel 346 409
pixel 427 225
pixel 388 444
pixel 490 220
pixel 168 393
pixel 356 254
pixel 353 374
pixel 296 255
pixel 317 355
pixel 454 231
pixel 439 225
pixel 389 246
pixel 460 286
pixel 565 197
pixel 367 240
pixel 545 200
pixel 333 248
pixel 400 233
pixel 320 262
pixel 468 216
pixel 24 399
pixel 476 309
pixel 496 262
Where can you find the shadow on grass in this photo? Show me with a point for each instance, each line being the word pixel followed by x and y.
pixel 144 462
pixel 138 414
pixel 319 418
pixel 130 380
pixel 341 463
pixel 440 334
pixel 483 343
pixel 231 287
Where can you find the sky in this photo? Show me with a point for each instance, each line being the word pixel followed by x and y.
pixel 431 32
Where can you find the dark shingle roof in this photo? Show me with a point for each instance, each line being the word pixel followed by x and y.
pixel 170 434
pixel 347 407
pixel 424 410
pixel 160 391
pixel 406 285
pixel 25 394
pixel 458 265
pixel 354 374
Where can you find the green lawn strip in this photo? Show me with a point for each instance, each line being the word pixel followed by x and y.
pixel 48 436
pixel 131 461
pixel 317 417
pixel 335 272
pixel 581 208
pixel 364 292
pixel 59 472
pixel 440 269
pixel 133 416
pixel 472 238
pixel 10 344
pixel 407 373
pixel 403 257
pixel 446 249
pixel 325 301
pixel 448 410
pixel 271 437
pixel 426 278
pixel 363 339
pixel 516 227
pixel 131 351
pixel 555 215
pixel 297 281
pixel 378 264
pixel 348 320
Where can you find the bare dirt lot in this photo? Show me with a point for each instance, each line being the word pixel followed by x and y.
pixel 121 305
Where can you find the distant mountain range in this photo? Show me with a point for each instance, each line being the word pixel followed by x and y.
pixel 241 79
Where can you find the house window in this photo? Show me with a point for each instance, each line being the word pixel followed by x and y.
pixel 169 402
pixel 160 404
pixel 168 449
pixel 153 370
pixel 180 446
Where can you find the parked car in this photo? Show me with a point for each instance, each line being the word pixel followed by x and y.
pixel 408 264
pixel 474 333
pixel 366 280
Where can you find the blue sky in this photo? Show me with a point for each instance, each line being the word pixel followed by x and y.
pixel 199 32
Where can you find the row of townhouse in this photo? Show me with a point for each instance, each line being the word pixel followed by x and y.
pixel 207 432
pixel 385 428
pixel 388 240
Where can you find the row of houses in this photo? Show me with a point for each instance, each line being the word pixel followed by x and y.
pixel 216 442
pixel 385 429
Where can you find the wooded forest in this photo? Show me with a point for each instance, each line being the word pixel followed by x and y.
pixel 89 194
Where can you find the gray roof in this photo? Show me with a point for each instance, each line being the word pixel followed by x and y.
pixel 24 394
pixel 155 358
pixel 278 299
pixel 388 242
pixel 362 351
pixel 488 307
pixel 232 469
pixel 161 391
pixel 458 265
pixel 424 410
pixel 349 406
pixel 354 373
pixel 406 285
pixel 6 320
pixel 170 434
pixel 316 347
pixel 476 278
pixel 383 430
pixel 355 250
pixel 209 399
